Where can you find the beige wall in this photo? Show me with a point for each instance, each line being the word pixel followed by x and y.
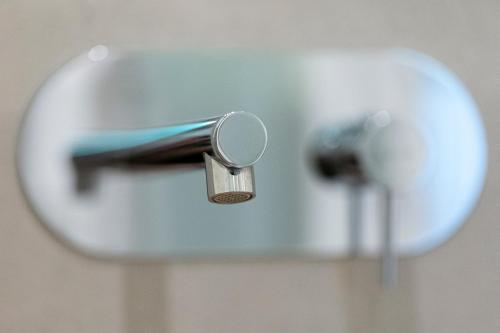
pixel 46 288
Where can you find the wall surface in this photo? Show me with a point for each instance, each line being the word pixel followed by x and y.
pixel 44 287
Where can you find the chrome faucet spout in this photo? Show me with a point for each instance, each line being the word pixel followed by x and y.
pixel 230 144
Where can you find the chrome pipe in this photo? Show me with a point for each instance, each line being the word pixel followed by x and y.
pixel 230 144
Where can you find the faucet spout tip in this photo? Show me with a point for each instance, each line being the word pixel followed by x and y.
pixel 226 185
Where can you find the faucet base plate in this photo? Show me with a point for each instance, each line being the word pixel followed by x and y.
pixel 166 214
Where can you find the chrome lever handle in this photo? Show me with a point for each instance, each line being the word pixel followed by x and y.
pixel 389 264
pixel 339 155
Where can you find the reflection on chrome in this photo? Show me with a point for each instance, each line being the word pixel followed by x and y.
pixel 230 144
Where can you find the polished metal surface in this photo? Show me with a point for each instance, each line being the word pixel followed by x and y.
pixel 158 214
pixel 227 186
pixel 232 142
pixel 239 139
pixel 350 154
pixel 338 152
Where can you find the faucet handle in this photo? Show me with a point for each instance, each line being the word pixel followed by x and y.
pixel 377 149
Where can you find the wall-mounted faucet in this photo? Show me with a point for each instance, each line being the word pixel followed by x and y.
pixel 227 146
pixel 423 186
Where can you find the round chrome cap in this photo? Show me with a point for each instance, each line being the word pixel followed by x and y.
pixel 239 139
